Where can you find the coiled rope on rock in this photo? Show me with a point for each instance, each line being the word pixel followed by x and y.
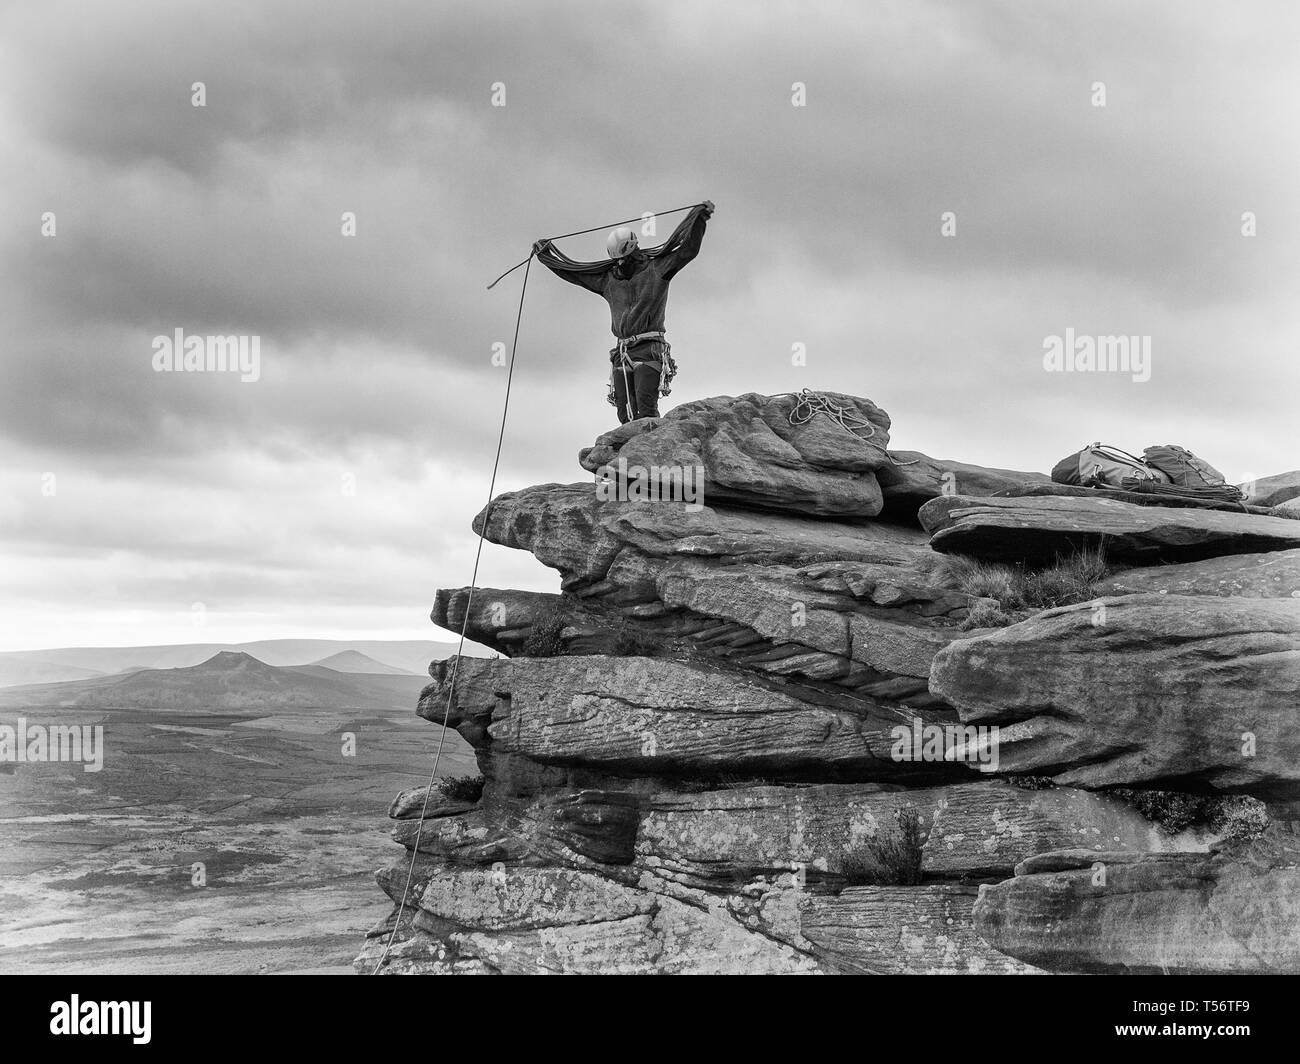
pixel 808 404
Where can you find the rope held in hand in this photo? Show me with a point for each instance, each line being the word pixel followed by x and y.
pixel 594 229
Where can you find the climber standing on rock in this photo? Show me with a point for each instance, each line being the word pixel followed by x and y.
pixel 634 282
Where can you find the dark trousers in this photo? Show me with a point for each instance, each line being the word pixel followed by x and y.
pixel 645 392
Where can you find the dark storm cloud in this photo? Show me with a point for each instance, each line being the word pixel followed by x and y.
pixel 225 219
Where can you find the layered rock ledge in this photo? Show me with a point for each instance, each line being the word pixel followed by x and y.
pixel 832 717
pixel 1233 911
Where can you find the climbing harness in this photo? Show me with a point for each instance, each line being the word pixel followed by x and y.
pixel 622 361
pixel 625 342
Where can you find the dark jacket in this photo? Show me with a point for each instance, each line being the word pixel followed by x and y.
pixel 638 293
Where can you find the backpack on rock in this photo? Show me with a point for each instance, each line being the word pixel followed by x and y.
pixel 1101 465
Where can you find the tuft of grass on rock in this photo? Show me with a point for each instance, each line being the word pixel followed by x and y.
pixel 988 614
pixel 990 580
pixel 1068 580
pixel 893 857
pixel 1017 592
pixel 631 642
pixel 544 640
pixel 461 788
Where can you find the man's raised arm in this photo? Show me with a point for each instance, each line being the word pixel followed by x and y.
pixel 684 244
pixel 588 275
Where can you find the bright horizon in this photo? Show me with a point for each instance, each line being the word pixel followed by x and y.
pixel 453 641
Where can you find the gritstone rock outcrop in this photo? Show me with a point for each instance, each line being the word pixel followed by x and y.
pixel 830 722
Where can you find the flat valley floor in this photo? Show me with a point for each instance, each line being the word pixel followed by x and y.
pixel 98 869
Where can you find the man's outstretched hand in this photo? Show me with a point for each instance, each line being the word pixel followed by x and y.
pixel 540 245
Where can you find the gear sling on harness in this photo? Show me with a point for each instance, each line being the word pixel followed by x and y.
pixel 622 362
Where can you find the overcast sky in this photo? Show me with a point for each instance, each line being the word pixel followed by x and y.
pixel 171 490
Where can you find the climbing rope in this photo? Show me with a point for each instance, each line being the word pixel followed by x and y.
pixel 478 554
pixel 594 229
pixel 808 404
pixel 469 600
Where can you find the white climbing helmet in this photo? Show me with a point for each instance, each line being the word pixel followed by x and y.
pixel 621 243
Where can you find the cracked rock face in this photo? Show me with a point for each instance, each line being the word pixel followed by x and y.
pixel 715 839
pixel 710 888
pixel 1271 575
pixel 648 716
pixel 592 543
pixel 1144 690
pixel 693 756
pixel 852 605
pixel 1037 528
pixel 1236 911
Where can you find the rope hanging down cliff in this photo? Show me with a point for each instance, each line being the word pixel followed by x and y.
pixel 464 625
pixel 478 554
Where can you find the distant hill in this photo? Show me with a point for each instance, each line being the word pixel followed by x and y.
pixel 355 661
pixel 23 669
pixel 229 680
pixel 78 663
